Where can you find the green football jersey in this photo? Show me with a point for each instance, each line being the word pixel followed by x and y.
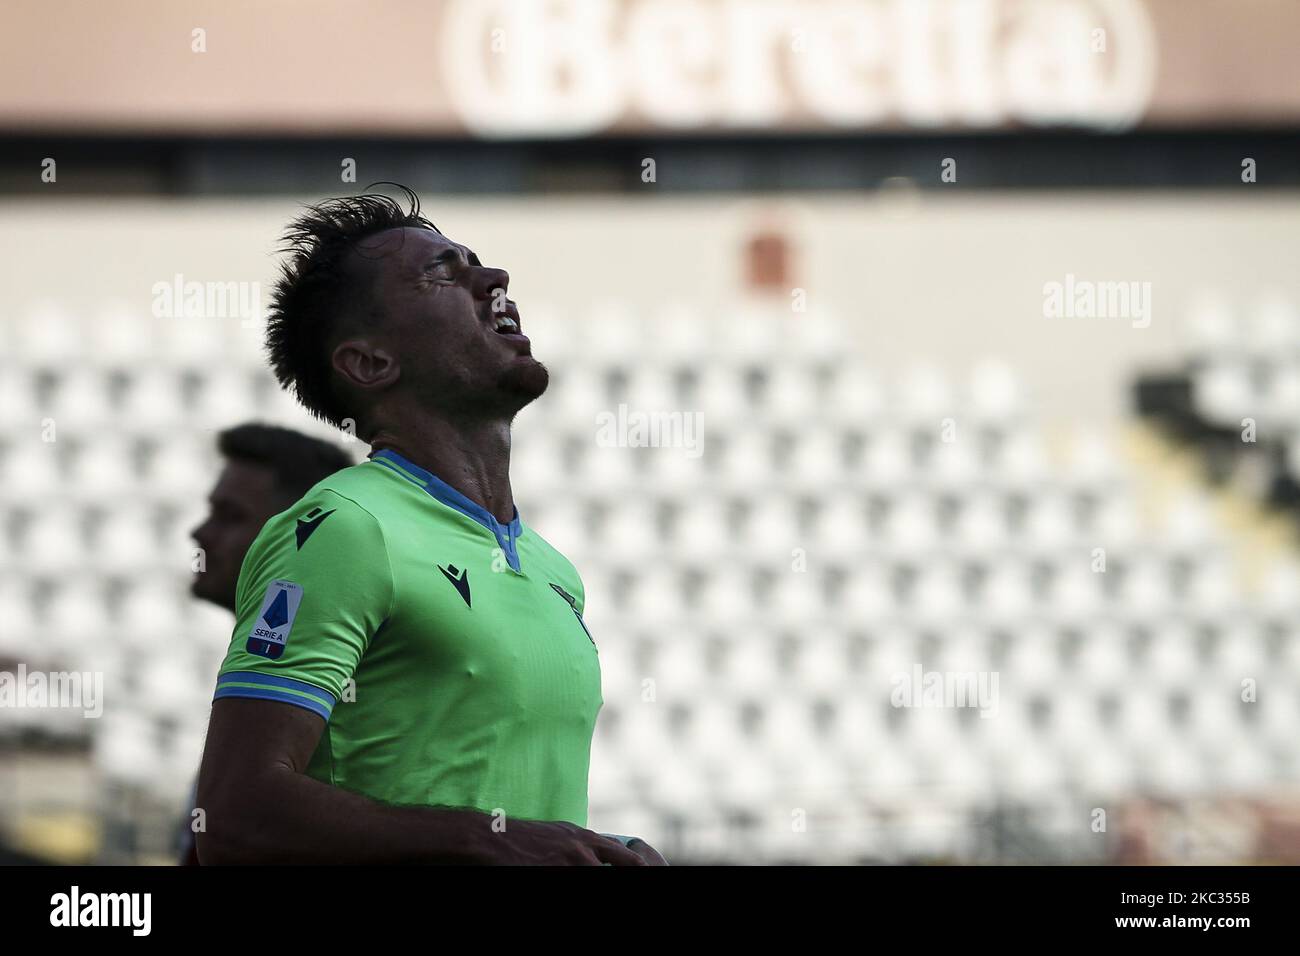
pixel 445 651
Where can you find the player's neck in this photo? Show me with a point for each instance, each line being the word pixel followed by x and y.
pixel 472 457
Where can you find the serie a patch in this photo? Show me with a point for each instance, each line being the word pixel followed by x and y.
pixel 270 631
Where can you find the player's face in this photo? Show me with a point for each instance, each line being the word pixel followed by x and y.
pixel 448 319
pixel 243 499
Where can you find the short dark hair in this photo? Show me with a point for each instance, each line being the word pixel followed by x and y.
pixel 298 461
pixel 315 289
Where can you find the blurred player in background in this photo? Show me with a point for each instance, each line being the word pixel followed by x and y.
pixel 410 678
pixel 266 470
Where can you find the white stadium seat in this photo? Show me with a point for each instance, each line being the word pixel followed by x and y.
pixel 755 604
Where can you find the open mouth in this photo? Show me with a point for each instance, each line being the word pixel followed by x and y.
pixel 505 325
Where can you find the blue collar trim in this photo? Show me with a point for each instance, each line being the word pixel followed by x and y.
pixel 506 534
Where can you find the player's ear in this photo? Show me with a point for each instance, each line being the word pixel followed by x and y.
pixel 363 365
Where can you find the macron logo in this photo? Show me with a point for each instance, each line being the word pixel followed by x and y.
pixel 459 578
pixel 308 524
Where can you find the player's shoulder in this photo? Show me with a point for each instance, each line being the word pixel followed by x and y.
pixel 360 484
pixel 361 491
pixel 340 508
pixel 327 538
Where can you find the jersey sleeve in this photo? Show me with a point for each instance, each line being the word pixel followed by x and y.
pixel 315 587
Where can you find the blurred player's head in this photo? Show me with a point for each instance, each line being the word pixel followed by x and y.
pixel 378 317
pixel 266 470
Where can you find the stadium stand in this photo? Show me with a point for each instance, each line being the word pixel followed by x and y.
pixel 755 597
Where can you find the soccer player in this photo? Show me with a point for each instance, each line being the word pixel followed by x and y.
pixel 266 470
pixel 410 679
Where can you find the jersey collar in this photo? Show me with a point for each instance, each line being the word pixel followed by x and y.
pixel 506 534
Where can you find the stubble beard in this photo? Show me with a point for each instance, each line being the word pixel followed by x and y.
pixel 524 382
